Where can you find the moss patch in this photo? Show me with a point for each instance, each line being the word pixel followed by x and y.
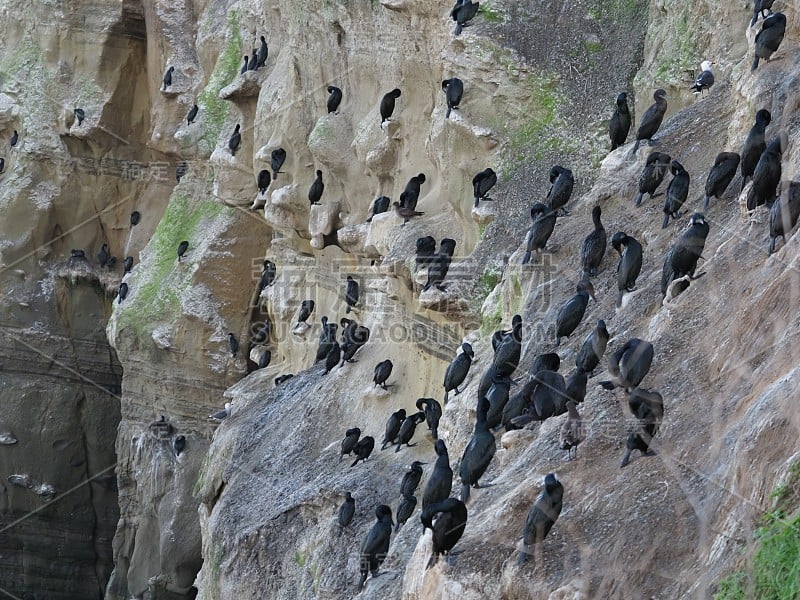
pixel 775 568
pixel 489 13
pixel 158 297
pixel 213 108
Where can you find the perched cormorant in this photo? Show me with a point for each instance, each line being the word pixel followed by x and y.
pixel 498 337
pixel 404 510
pixel 478 453
pixel 182 248
pixel 683 256
pixel 334 99
pixel 446 520
pixel 433 412
pixel 306 308
pixel 266 358
pixel 648 408
pixel 706 78
pixel 463 12
pixel 544 396
pixel 267 275
pixel 277 158
pixel 262 53
pixel 192 114
pixel 383 370
pixel 542 515
pixel 482 183
pixel 279 380
pixel 233 344
pixel 498 398
pixel 346 512
pixel 80 115
pixel 327 337
pixel 758 9
pixel 544 221
pixel 253 64
pixel 594 246
pixel 629 364
pixel 453 89
pixel 168 77
pixel 411 479
pixel 562 182
pixel 380 206
pixel 180 170
pixel 620 123
pixel 754 145
pixel 376 544
pixel 655 168
pixel 651 119
pixel 457 370
pixel 769 38
pixel 720 176
pixel 363 449
pixel 576 385
pixel 426 249
pixel 784 213
pixel 550 361
pixel 572 432
pixel 123 292
pixel 264 180
pixel 677 191
pixel 410 194
pixel 571 312
pixel 408 428
pixel 767 174
pixel 333 356
pixel 316 189
pixel 508 353
pixel 2 165
pixel 406 213
pixel 246 61
pixel 440 481
pixel 440 265
pixel 593 348
pixel 351 294
pixel 349 442
pixel 135 218
pixel 179 444
pixel 356 338
pixel 103 255
pixel 393 424
pixel 387 104
pixel 630 263
pixel 14 138
pixel 127 264
pixel 235 141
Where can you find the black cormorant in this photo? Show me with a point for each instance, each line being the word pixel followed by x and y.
pixel 334 99
pixel 571 312
pixel 457 370
pixel 316 189
pixel 651 119
pixel 720 176
pixel 594 246
pixel 677 193
pixel 754 145
pixel 620 123
pixel 478 453
pixel 453 89
pixel 542 515
pixel 387 104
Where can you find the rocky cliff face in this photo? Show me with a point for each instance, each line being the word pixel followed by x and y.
pixel 247 509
